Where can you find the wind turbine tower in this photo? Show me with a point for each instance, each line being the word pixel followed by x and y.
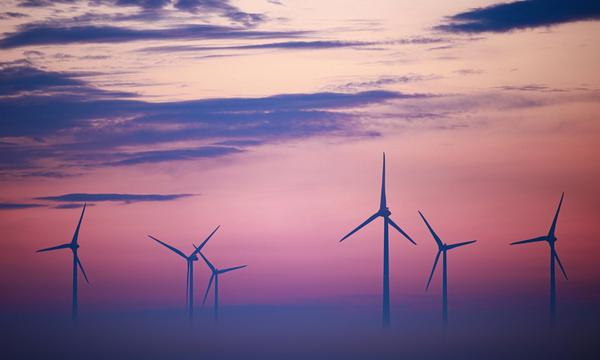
pixel 73 246
pixel 551 240
pixel 442 249
pixel 189 287
pixel 383 212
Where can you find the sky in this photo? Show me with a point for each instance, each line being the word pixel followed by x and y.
pixel 269 118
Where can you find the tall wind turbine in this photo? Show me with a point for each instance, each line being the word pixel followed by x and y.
pixel 189 286
pixel 442 249
pixel 73 245
pixel 550 239
pixel 215 276
pixel 385 213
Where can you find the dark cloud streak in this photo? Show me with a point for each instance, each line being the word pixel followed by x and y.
pixel 60 119
pixel 125 198
pixel 44 34
pixel 158 156
pixel 18 206
pixel 522 15
pixel 221 7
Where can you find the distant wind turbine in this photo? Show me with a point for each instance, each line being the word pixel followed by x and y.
pixel 385 213
pixel 73 245
pixel 442 249
pixel 189 286
pixel 215 276
pixel 551 239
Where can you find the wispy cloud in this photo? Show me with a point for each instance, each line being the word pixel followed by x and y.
pixel 89 127
pixel 124 198
pixel 381 82
pixel 21 78
pixel 291 45
pixel 12 15
pixel 146 157
pixel 44 34
pixel 222 8
pixel 18 206
pixel 297 45
pixel 69 206
pixel 521 15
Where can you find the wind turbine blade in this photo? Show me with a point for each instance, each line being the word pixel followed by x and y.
pixel 373 217
pixel 208 288
pixel 553 227
pixel 177 251
pixel 435 236
pixel 76 234
pixel 231 269
pixel 208 262
pixel 81 268
pixel 560 265
pixel 437 257
pixel 383 202
pixel 537 239
pixel 400 230
pixel 63 246
pixel 452 246
pixel 198 248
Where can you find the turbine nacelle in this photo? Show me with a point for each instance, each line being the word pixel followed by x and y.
pixel 385 212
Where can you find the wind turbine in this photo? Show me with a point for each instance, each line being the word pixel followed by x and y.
pixel 551 239
pixel 189 286
pixel 73 245
pixel 215 276
pixel 442 249
pixel 385 213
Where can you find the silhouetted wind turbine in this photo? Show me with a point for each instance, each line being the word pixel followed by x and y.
pixel 215 276
pixel 385 213
pixel 442 249
pixel 73 245
pixel 551 239
pixel 189 293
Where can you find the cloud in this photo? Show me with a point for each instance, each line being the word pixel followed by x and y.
pixel 51 34
pixel 221 7
pixel 56 123
pixel 18 206
pixel 44 3
pixel 241 142
pixel 125 198
pixel 382 82
pixel 145 157
pixel 531 88
pixel 295 45
pixel 24 78
pixel 89 108
pixel 12 15
pixel 468 71
pixel 70 206
pixel 291 45
pixel 521 15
